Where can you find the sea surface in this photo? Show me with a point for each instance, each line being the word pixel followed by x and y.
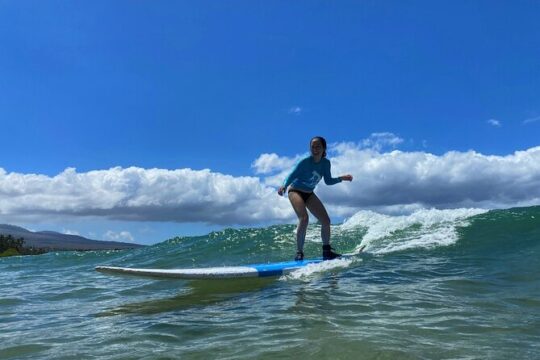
pixel 436 284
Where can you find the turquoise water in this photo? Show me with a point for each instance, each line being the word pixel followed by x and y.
pixel 452 284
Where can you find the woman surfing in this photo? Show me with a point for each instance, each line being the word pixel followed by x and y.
pixel 302 181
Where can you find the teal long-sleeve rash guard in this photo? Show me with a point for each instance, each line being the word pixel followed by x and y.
pixel 307 174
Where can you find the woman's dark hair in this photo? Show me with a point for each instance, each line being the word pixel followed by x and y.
pixel 323 143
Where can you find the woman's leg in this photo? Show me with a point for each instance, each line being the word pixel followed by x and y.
pixel 299 207
pixel 316 207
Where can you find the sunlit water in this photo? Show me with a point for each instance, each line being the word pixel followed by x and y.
pixel 453 284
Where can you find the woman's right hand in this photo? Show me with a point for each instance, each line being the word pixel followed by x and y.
pixel 281 190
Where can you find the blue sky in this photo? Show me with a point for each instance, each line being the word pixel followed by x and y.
pixel 170 85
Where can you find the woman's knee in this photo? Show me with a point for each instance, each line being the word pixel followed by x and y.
pixel 303 219
pixel 324 221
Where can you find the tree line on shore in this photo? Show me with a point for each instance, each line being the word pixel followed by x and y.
pixel 10 246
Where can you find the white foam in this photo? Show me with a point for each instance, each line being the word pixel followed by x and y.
pixel 426 228
pixel 308 271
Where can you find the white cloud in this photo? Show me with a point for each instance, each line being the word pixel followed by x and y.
pixel 271 163
pixel 393 182
pixel 70 232
pixel 380 141
pixel 137 194
pixel 531 120
pixel 296 110
pixel 118 236
pixel 455 179
pixel 494 122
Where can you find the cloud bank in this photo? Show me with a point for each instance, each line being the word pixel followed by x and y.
pixel 386 181
pixel 137 194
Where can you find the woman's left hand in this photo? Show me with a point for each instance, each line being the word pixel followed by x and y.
pixel 346 177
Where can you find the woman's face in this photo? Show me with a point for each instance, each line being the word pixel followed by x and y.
pixel 317 148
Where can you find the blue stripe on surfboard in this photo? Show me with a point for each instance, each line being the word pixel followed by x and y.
pixel 277 269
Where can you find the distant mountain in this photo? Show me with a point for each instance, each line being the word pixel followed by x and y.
pixel 12 228
pixel 52 240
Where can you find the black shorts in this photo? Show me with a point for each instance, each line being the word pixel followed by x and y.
pixel 304 195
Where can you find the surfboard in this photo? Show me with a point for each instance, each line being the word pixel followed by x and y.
pixel 223 272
